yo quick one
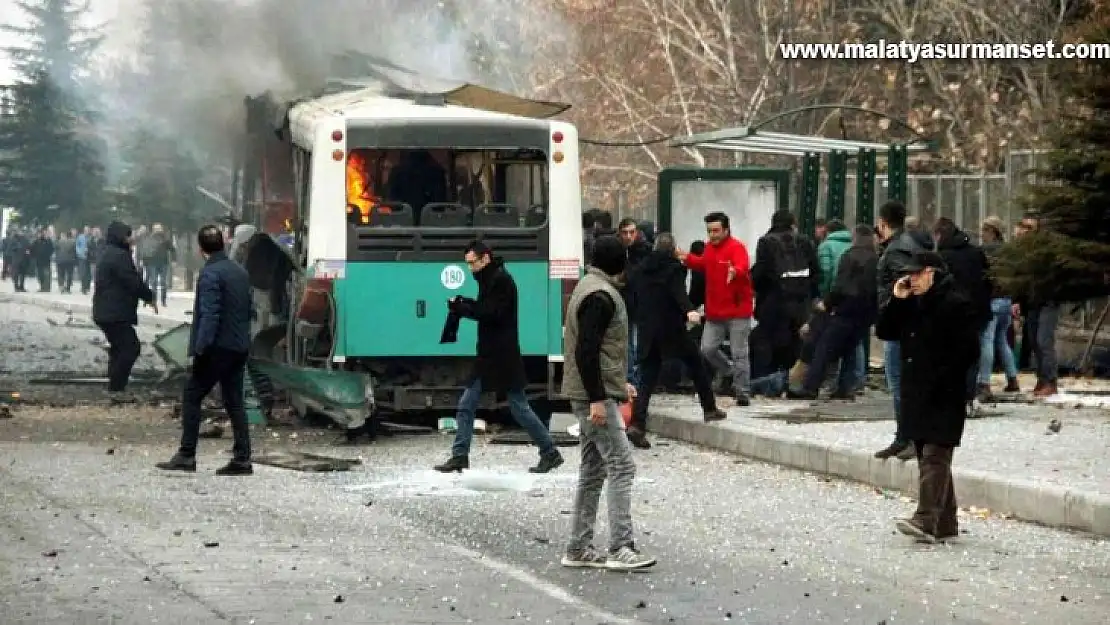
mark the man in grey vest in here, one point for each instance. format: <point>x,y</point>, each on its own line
<point>595,366</point>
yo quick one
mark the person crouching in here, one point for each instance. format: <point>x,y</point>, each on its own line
<point>594,380</point>
<point>937,326</point>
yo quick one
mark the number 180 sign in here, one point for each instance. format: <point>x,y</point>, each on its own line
<point>452,277</point>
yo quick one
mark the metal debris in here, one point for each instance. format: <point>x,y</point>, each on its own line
<point>301,461</point>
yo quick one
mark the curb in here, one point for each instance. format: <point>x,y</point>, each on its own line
<point>1049,505</point>
<point>146,318</point>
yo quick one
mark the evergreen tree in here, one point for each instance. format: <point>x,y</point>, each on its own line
<point>50,142</point>
<point>1068,258</point>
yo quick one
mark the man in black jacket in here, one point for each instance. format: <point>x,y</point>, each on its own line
<point>936,325</point>
<point>664,309</point>
<point>898,246</point>
<point>42,253</point>
<point>499,365</point>
<point>218,344</point>
<point>851,304</point>
<point>968,266</point>
<point>118,290</point>
<point>785,281</point>
<point>637,249</point>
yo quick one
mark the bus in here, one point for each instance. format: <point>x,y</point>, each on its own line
<point>382,193</point>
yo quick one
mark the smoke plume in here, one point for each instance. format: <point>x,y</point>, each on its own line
<point>195,60</point>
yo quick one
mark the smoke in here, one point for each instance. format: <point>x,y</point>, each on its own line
<point>195,60</point>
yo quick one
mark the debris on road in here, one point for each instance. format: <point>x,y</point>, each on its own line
<point>306,462</point>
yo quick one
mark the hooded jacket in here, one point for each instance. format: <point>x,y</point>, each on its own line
<point>118,287</point>
<point>725,300</point>
<point>828,258</point>
<point>968,266</point>
<point>660,287</point>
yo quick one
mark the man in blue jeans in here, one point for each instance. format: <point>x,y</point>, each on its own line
<point>636,250</point>
<point>499,366</point>
<point>898,247</point>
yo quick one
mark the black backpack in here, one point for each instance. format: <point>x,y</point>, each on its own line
<point>792,265</point>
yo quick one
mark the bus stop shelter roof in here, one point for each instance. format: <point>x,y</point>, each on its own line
<point>747,139</point>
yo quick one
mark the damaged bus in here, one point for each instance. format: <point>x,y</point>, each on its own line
<point>382,188</point>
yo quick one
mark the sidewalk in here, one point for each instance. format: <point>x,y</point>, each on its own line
<point>1010,462</point>
<point>178,311</point>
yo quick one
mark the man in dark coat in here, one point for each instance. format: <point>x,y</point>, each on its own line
<point>42,253</point>
<point>118,290</point>
<point>219,342</point>
<point>936,325</point>
<point>659,287</point>
<point>499,366</point>
<point>851,305</point>
<point>785,278</point>
<point>968,265</point>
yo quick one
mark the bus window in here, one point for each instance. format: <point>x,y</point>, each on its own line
<point>467,179</point>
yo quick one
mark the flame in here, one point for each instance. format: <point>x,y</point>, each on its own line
<point>359,192</point>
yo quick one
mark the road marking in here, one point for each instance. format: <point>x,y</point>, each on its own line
<point>547,588</point>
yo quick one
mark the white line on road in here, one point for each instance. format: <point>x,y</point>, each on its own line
<point>547,588</point>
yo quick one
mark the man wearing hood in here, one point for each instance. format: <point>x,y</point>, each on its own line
<point>967,264</point>
<point>936,324</point>
<point>785,281</point>
<point>899,244</point>
<point>499,366</point>
<point>118,290</point>
<point>665,310</point>
<point>595,354</point>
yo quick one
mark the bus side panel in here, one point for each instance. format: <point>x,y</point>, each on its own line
<point>397,309</point>
<point>555,319</point>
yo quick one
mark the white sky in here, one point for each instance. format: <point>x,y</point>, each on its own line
<point>118,16</point>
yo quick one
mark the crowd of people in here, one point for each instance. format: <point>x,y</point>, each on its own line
<point>68,256</point>
<point>644,314</point>
<point>802,315</point>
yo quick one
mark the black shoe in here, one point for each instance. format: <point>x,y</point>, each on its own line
<point>236,467</point>
<point>842,396</point>
<point>456,464</point>
<point>802,395</point>
<point>892,450</point>
<point>716,414</point>
<point>548,462</point>
<point>179,463</point>
<point>638,438</point>
<point>742,399</point>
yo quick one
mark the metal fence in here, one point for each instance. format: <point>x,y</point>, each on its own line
<point>967,199</point>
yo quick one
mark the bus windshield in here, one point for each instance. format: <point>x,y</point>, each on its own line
<point>446,188</point>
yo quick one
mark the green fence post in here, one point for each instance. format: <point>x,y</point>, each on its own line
<point>811,180</point>
<point>838,182</point>
<point>866,164</point>
<point>897,164</point>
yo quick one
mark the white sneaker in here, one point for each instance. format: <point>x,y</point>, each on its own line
<point>588,558</point>
<point>628,559</point>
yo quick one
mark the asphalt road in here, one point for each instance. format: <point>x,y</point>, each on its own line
<point>91,533</point>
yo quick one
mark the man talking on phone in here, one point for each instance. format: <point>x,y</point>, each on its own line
<point>936,324</point>
<point>595,367</point>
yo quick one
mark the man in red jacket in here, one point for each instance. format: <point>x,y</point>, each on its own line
<point>728,303</point>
